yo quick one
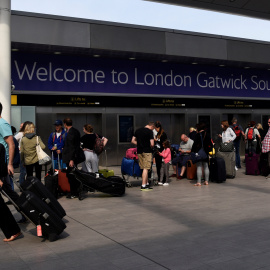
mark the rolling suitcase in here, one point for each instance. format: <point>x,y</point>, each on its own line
<point>191,170</point>
<point>35,186</point>
<point>39,213</point>
<point>63,183</point>
<point>217,170</point>
<point>252,164</point>
<point>229,158</point>
<point>113,185</point>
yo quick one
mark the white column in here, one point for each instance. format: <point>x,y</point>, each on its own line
<point>5,58</point>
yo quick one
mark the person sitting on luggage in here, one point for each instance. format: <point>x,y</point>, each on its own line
<point>88,142</point>
<point>165,165</point>
<point>252,136</point>
<point>184,151</point>
<point>56,143</point>
<point>202,135</point>
<point>228,134</point>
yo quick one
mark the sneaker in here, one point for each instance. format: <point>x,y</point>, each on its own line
<point>165,184</point>
<point>73,197</point>
<point>180,177</point>
<point>173,175</point>
<point>148,186</point>
<point>236,168</point>
<point>160,183</point>
<point>145,188</point>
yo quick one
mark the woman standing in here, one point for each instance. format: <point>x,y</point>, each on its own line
<point>202,138</point>
<point>88,142</point>
<point>28,150</point>
<point>228,135</point>
<point>159,139</point>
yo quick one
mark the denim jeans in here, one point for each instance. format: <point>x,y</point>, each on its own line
<point>22,173</point>
<point>237,154</point>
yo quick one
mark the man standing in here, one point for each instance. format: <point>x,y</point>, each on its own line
<point>239,132</point>
<point>71,148</point>
<point>7,222</point>
<point>144,140</point>
<point>56,143</point>
<point>184,150</point>
<point>266,144</point>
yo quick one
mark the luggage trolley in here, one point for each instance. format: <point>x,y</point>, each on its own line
<point>130,167</point>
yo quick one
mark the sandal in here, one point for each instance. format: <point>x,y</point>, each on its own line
<point>13,237</point>
<point>206,183</point>
<point>197,185</point>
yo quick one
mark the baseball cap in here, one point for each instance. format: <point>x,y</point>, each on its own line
<point>58,123</point>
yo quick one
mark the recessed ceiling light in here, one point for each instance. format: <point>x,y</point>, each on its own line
<point>164,61</point>
<point>194,63</point>
<point>57,52</point>
<point>222,65</point>
<point>14,50</point>
<point>96,55</point>
<point>131,58</point>
<point>246,67</point>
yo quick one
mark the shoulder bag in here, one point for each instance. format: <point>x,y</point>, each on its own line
<point>226,147</point>
<point>43,158</point>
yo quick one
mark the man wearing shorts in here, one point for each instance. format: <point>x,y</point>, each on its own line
<point>184,151</point>
<point>144,140</point>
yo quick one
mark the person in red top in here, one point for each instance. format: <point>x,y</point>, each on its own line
<point>166,158</point>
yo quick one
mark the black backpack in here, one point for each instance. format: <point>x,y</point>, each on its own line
<point>3,161</point>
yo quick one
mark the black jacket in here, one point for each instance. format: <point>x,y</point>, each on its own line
<point>72,145</point>
<point>207,143</point>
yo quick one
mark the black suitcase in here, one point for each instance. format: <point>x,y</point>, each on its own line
<point>113,185</point>
<point>264,168</point>
<point>51,182</point>
<point>34,185</point>
<point>217,170</point>
<point>39,213</point>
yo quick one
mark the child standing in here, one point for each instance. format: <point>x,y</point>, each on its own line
<point>166,158</point>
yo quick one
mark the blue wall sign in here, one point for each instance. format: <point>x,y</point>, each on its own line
<point>62,73</point>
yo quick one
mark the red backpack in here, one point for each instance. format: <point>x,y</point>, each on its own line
<point>237,131</point>
<point>250,134</point>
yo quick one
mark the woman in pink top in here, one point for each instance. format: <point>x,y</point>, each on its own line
<point>166,158</point>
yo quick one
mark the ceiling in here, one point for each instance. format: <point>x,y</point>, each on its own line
<point>251,8</point>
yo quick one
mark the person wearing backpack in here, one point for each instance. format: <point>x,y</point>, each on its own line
<point>239,132</point>
<point>56,143</point>
<point>251,136</point>
<point>92,145</point>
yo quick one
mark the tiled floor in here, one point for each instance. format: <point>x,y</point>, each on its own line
<point>215,227</point>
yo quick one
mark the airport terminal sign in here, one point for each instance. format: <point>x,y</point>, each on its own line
<point>62,73</point>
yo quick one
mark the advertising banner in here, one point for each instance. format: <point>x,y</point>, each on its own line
<point>82,74</point>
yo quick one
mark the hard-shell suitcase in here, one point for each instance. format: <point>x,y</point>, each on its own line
<point>229,158</point>
<point>113,185</point>
<point>252,164</point>
<point>217,170</point>
<point>51,182</point>
<point>34,185</point>
<point>191,170</point>
<point>130,167</point>
<point>39,213</point>
<point>264,168</point>
<point>132,153</point>
<point>63,183</point>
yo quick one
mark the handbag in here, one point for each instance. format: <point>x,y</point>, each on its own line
<point>201,155</point>
<point>43,158</point>
<point>226,147</point>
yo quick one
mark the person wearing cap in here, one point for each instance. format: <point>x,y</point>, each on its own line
<point>56,143</point>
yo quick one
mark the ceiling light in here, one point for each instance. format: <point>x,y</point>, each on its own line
<point>131,58</point>
<point>221,65</point>
<point>246,67</point>
<point>164,61</point>
<point>14,50</point>
<point>96,55</point>
<point>194,63</point>
<point>57,52</point>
